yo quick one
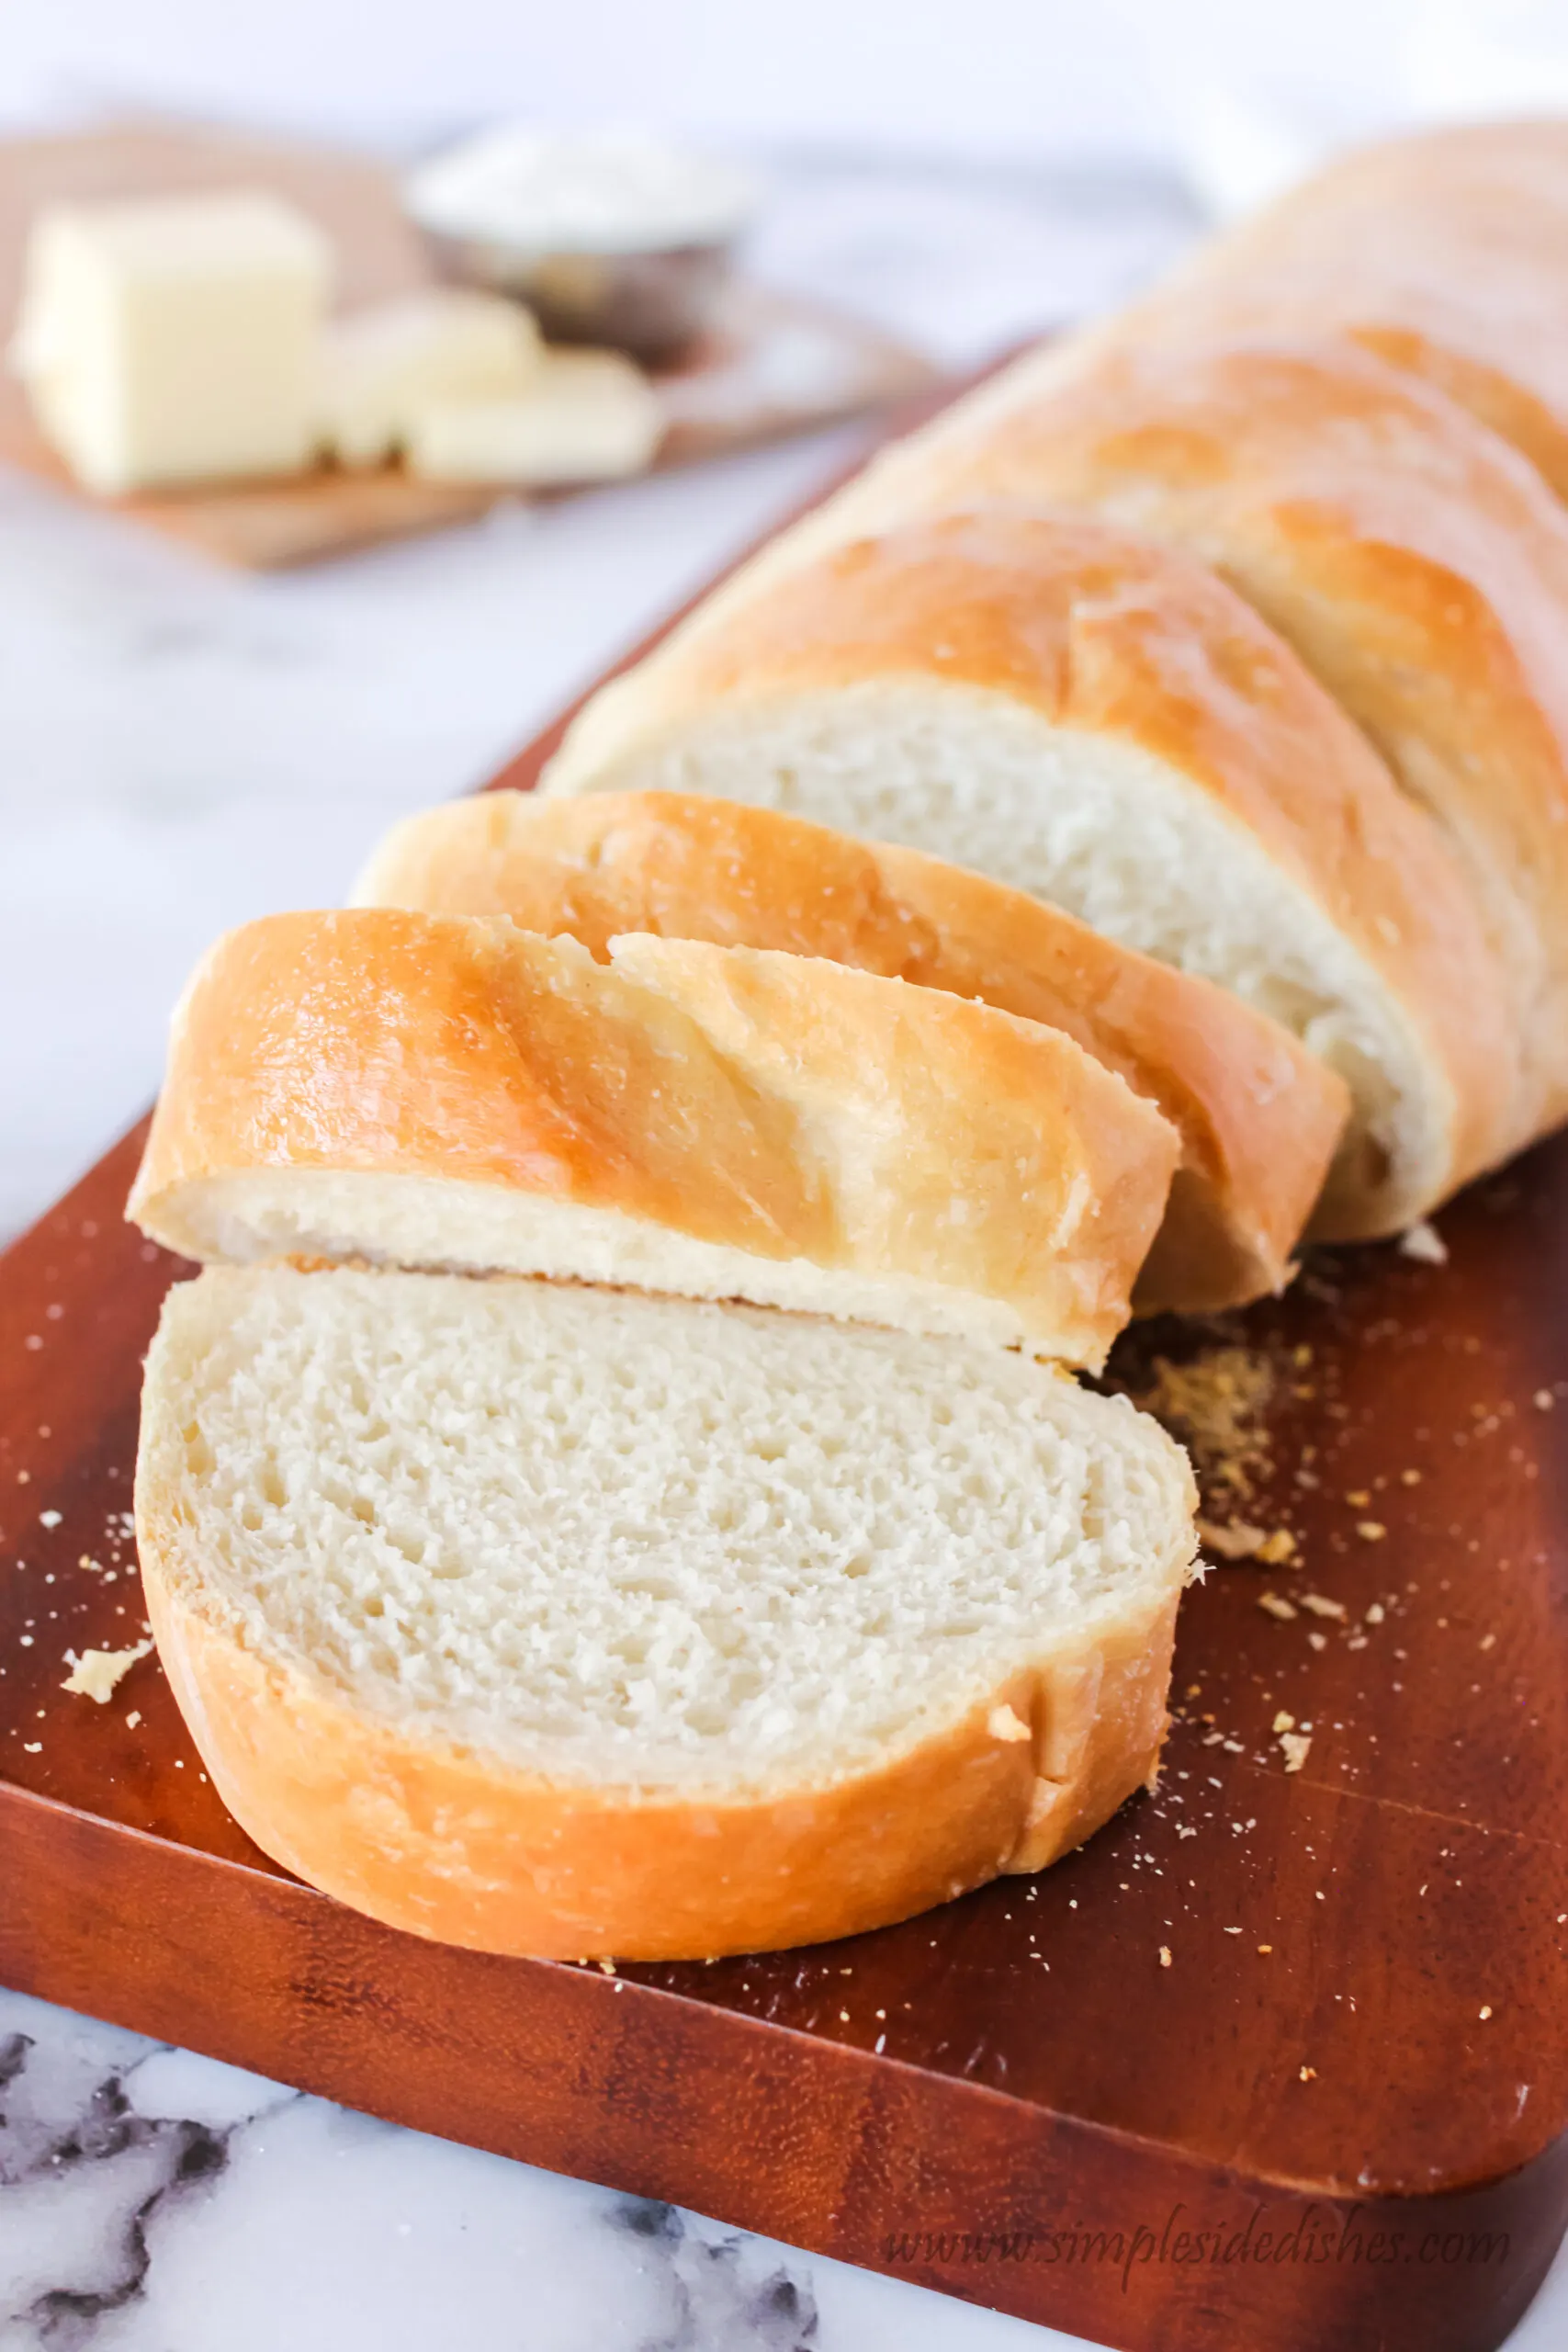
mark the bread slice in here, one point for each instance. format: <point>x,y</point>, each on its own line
<point>418,1090</point>
<point>1258,1115</point>
<point>559,1621</point>
<point>1100,721</point>
<point>1417,563</point>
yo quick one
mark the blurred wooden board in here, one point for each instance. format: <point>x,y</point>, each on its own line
<point>775,364</point>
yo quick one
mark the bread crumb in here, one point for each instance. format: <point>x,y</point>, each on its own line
<point>1425,1243</point>
<point>1277,1605</point>
<point>1283,1722</point>
<point>1375,1612</point>
<point>1297,1746</point>
<point>1307,2074</point>
<point>1489,1642</point>
<point>1164,1955</point>
<point>1357,1497</point>
<point>1485,2011</point>
<point>1317,1641</point>
<point>1216,1404</point>
<point>1002,1723</point>
<point>1543,1400</point>
<point>1265,1948</point>
<point>97,1672</point>
<point>1321,1606</point>
<point>133,1719</point>
<point>49,1518</point>
<point>1371,1531</point>
<point>1237,1541</point>
<point>32,1748</point>
<point>1410,1477</point>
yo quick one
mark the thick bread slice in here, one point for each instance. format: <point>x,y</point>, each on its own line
<point>1259,1117</point>
<point>1102,722</point>
<point>419,1090</point>
<point>556,1620</point>
<point>1417,563</point>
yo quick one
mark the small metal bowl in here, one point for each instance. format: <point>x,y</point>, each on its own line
<point>652,305</point>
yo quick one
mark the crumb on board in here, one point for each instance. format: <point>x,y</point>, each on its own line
<point>1307,2074</point>
<point>1216,1404</point>
<point>1164,1955</point>
<point>1297,1746</point>
<point>1277,1606</point>
<point>1425,1244</point>
<point>1544,1400</point>
<point>1485,2011</point>
<point>1371,1531</point>
<point>98,1673</point>
<point>1320,1604</point>
<point>1374,1613</point>
<point>1237,1541</point>
<point>1284,1721</point>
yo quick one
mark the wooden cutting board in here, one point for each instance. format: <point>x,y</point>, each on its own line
<point>1278,2063</point>
<point>774,364</point>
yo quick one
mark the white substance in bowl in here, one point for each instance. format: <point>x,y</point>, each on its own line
<point>603,192</point>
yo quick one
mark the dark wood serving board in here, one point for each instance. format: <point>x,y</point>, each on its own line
<point>1337,2116</point>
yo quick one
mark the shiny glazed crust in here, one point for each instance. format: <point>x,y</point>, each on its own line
<point>786,1111</point>
<point>1258,1117</point>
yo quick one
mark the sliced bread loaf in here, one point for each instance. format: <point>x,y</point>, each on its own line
<point>419,1090</point>
<point>1259,1117</point>
<point>1102,722</point>
<point>559,1621</point>
<point>1417,563</point>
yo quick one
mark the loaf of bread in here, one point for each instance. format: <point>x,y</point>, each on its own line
<point>616,1507</point>
<point>1105,724</point>
<point>1258,1115</point>
<point>417,1090</point>
<point>1442,252</point>
<point>1417,564</point>
<point>564,1620</point>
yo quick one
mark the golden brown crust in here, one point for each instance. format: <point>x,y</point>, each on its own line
<point>446,1843</point>
<point>1259,1117</point>
<point>1111,634</point>
<point>1419,568</point>
<point>864,1127</point>
<point>1442,252</point>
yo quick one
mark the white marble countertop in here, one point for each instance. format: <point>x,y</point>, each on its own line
<point>179,750</point>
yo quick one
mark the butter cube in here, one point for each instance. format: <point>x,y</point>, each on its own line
<point>383,365</point>
<point>587,416</point>
<point>175,339</point>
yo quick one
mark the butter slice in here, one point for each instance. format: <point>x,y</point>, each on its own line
<point>175,339</point>
<point>386,363</point>
<point>587,416</point>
